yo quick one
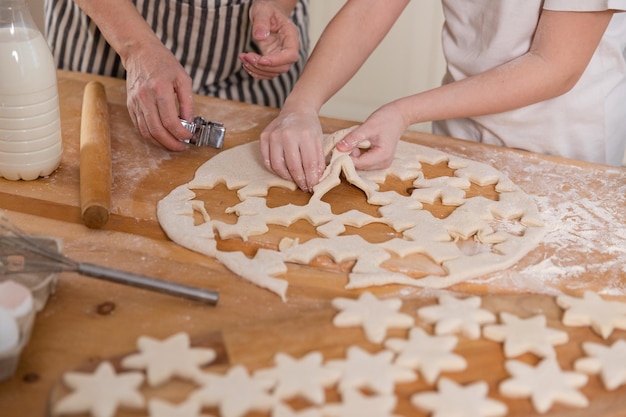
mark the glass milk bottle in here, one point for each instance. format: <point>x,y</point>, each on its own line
<point>30,125</point>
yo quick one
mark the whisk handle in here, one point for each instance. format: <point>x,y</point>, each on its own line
<point>140,281</point>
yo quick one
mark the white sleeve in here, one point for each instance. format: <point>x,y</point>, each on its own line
<point>585,5</point>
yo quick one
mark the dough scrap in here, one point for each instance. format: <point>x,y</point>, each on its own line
<point>374,371</point>
<point>452,399</point>
<point>608,361</point>
<point>602,315</point>
<point>306,377</point>
<point>160,408</point>
<point>454,315</point>
<point>431,355</point>
<point>170,357</point>
<point>241,168</point>
<point>259,270</point>
<point>545,384</point>
<point>101,392</point>
<point>374,315</point>
<point>525,335</point>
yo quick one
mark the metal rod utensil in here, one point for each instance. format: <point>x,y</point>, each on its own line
<point>140,281</point>
<point>20,253</point>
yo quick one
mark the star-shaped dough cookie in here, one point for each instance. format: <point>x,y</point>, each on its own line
<point>374,371</point>
<point>306,377</point>
<point>525,335</point>
<point>353,403</point>
<point>235,393</point>
<point>375,315</point>
<point>160,408</point>
<point>545,384</point>
<point>452,399</point>
<point>602,315</point>
<point>608,361</point>
<point>454,315</point>
<point>168,358</point>
<point>429,354</point>
<point>100,393</point>
<point>449,189</point>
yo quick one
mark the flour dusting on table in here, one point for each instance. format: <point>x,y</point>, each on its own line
<point>585,218</point>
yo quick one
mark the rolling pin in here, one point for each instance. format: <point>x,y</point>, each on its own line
<point>95,157</point>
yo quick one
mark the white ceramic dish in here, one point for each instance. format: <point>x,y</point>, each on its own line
<point>41,286</point>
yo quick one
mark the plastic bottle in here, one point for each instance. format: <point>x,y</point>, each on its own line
<point>30,124</point>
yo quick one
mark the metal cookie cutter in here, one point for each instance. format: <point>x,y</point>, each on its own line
<point>205,133</point>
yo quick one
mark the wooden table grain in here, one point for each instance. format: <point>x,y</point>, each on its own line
<point>87,321</point>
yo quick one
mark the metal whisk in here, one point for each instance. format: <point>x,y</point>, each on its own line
<point>21,253</point>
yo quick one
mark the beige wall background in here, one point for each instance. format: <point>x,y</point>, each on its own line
<point>407,61</point>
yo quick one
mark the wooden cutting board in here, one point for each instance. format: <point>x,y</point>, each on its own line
<point>254,346</point>
<point>88,321</point>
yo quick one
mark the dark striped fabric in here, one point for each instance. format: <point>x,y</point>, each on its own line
<point>206,36</point>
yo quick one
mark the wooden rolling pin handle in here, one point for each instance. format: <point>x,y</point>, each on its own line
<point>95,157</point>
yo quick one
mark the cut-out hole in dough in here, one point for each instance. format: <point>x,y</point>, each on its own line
<point>487,191</point>
<point>301,230</point>
<point>395,184</point>
<point>438,210</point>
<point>346,197</point>
<point>249,248</point>
<point>441,211</point>
<point>276,196</point>
<point>216,201</point>
<point>437,170</point>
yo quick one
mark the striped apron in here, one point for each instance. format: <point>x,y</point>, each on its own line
<point>206,36</point>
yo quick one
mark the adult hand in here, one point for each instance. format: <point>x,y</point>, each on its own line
<point>159,90</point>
<point>382,130</point>
<point>291,146</point>
<point>276,36</point>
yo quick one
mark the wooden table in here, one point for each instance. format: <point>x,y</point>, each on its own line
<point>87,320</point>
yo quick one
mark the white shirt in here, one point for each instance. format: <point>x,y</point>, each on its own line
<point>586,123</point>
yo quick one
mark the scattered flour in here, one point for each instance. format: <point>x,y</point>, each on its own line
<point>584,213</point>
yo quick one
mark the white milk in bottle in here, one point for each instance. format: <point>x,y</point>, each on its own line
<point>30,125</point>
